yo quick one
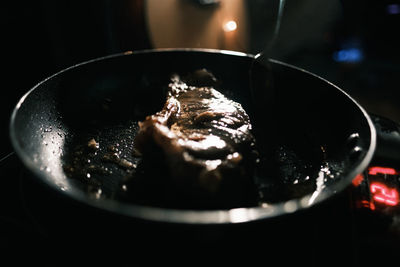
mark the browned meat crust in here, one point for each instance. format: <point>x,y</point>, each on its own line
<point>206,144</point>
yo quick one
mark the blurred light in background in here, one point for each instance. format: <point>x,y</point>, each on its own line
<point>348,55</point>
<point>349,51</point>
<point>393,9</point>
<point>229,26</point>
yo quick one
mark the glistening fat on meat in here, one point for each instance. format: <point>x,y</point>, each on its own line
<point>204,142</point>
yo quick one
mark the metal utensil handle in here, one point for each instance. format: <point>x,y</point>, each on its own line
<point>275,33</point>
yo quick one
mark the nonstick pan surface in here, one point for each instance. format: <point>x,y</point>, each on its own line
<point>321,137</point>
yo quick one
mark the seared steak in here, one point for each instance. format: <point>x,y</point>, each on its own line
<point>204,142</point>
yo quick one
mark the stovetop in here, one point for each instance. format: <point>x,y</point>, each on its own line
<point>356,48</point>
<point>35,219</point>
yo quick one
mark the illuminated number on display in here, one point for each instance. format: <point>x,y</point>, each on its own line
<point>381,193</point>
<point>382,170</point>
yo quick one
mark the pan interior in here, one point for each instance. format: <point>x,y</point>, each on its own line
<point>86,118</point>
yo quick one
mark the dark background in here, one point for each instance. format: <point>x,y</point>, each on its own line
<point>353,44</point>
<point>40,38</point>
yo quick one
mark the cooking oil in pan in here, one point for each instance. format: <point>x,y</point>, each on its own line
<point>288,176</point>
<point>104,162</point>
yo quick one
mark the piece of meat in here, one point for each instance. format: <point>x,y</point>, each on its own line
<point>204,142</point>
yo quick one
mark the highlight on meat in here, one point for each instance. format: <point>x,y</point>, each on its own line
<point>201,144</point>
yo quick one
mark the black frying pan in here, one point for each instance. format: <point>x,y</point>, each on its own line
<point>311,124</point>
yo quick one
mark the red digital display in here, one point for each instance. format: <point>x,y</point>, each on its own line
<point>382,185</point>
<point>383,194</point>
<point>382,170</point>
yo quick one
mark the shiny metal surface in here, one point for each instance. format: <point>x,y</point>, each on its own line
<point>57,102</point>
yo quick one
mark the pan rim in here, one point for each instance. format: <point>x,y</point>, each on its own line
<point>200,217</point>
